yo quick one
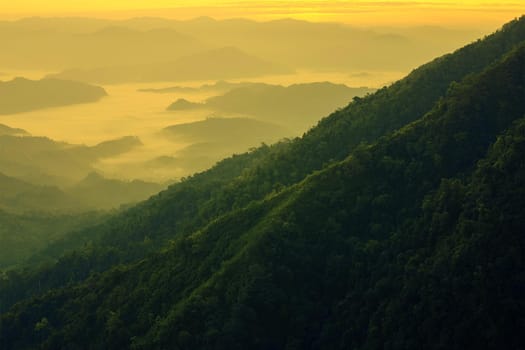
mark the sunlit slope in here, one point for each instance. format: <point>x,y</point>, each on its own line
<point>20,95</point>
<point>425,215</point>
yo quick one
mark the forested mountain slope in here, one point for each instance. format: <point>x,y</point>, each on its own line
<point>399,245</point>
<point>263,257</point>
<point>23,235</point>
<point>236,182</point>
<point>17,196</point>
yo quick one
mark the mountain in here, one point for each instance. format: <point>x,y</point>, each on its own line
<point>41,160</point>
<point>6,130</point>
<point>33,216</point>
<point>297,106</point>
<point>48,176</point>
<point>22,95</point>
<point>184,105</point>
<point>213,139</point>
<point>334,46</point>
<point>106,149</point>
<point>63,43</point>
<point>232,130</point>
<point>396,222</point>
<point>219,86</point>
<point>25,235</point>
<point>99,192</point>
<point>17,196</point>
<point>221,63</point>
<point>92,192</point>
<point>53,44</point>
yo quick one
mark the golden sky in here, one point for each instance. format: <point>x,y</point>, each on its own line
<point>487,13</point>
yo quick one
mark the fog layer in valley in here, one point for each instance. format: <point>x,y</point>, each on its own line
<point>89,104</point>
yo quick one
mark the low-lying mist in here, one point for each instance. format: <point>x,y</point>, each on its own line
<point>87,104</point>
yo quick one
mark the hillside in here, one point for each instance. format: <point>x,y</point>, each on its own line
<point>21,95</point>
<point>26,235</point>
<point>32,217</point>
<point>396,223</point>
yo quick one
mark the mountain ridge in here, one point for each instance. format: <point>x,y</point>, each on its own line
<point>219,63</point>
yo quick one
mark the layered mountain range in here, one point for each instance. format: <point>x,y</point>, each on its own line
<point>395,223</point>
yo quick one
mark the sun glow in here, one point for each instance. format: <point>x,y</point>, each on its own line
<point>487,13</point>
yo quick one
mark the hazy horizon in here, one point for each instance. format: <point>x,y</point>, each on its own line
<point>175,69</point>
<point>126,56</point>
<point>484,14</point>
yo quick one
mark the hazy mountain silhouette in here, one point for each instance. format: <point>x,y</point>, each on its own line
<point>56,44</point>
<point>225,129</point>
<point>21,95</point>
<point>302,44</point>
<point>41,160</point>
<point>66,43</point>
<point>99,192</point>
<point>215,138</point>
<point>296,106</point>
<point>219,86</point>
<point>184,105</point>
<point>6,130</point>
<point>124,46</point>
<point>222,63</point>
<point>17,196</point>
<point>92,192</point>
<point>105,149</point>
